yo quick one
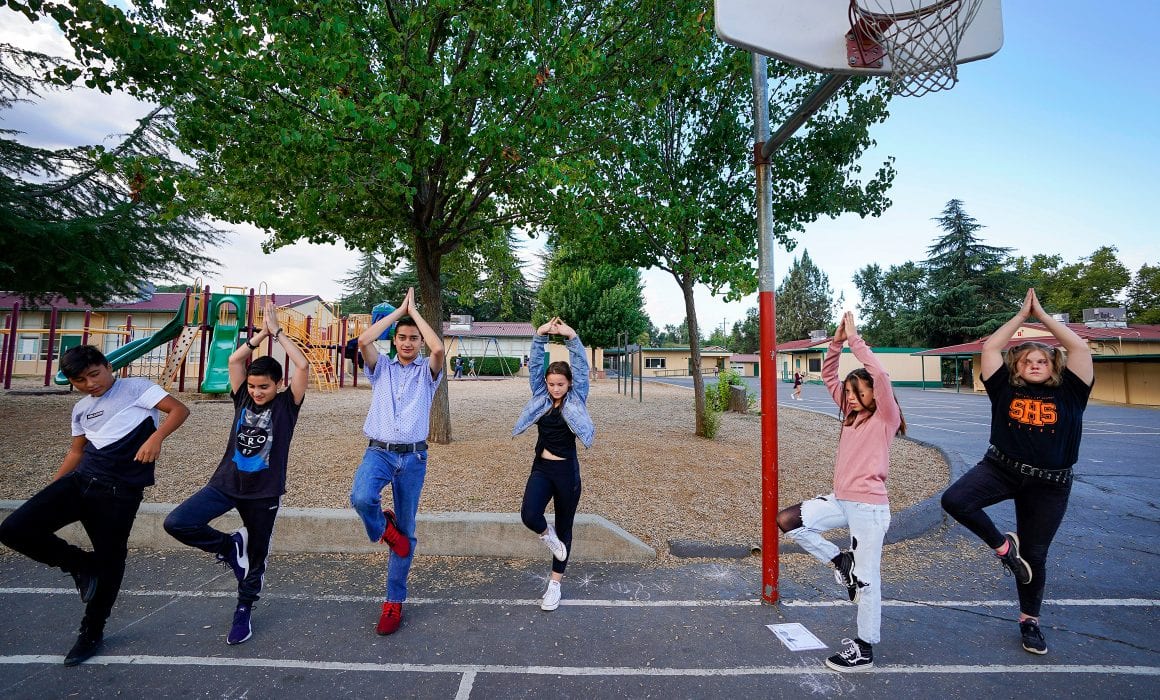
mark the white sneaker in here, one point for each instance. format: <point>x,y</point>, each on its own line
<point>559,550</point>
<point>551,599</point>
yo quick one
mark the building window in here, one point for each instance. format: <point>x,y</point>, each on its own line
<point>654,363</point>
<point>815,365</point>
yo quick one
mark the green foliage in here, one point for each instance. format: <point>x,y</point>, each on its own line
<point>599,300</point>
<point>491,366</point>
<point>365,286</point>
<point>891,303</point>
<point>746,335</point>
<point>805,300</point>
<point>90,223</point>
<point>717,400</point>
<point>1144,295</point>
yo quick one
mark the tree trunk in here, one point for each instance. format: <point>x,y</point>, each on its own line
<point>428,264</point>
<point>686,282</point>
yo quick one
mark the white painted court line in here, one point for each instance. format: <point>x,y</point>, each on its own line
<point>610,603</point>
<point>473,669</point>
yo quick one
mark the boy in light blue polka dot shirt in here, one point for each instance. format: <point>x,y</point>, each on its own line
<point>402,389</point>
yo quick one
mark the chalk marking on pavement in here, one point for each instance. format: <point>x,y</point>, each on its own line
<point>607,603</point>
<point>282,664</point>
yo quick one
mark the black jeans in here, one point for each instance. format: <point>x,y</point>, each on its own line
<point>106,510</point>
<point>189,523</point>
<point>557,481</point>
<point>1039,509</point>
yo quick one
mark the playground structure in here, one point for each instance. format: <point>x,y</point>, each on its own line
<point>214,324</point>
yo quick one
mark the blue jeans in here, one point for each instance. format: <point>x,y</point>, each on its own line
<point>188,523</point>
<point>405,473</point>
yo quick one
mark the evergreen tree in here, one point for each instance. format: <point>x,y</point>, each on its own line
<point>891,301</point>
<point>805,300</point>
<point>90,223</point>
<point>969,288</point>
<point>746,335</point>
<point>365,286</point>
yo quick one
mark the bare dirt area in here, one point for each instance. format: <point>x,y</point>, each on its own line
<point>647,472</point>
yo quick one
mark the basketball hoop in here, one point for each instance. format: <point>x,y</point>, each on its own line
<point>920,37</point>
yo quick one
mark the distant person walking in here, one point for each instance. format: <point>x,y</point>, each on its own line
<point>471,368</point>
<point>871,419</point>
<point>797,386</point>
<point>1037,404</point>
<point>558,408</point>
<point>458,368</point>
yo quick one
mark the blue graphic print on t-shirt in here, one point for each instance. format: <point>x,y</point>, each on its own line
<point>254,438</point>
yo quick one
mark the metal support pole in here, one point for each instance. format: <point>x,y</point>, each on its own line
<point>768,333</point>
<point>51,349</point>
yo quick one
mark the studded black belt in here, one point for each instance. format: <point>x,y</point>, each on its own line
<point>1058,476</point>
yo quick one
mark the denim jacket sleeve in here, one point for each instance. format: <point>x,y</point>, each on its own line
<point>536,365</point>
<point>578,358</point>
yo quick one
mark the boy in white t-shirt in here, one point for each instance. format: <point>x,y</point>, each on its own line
<point>116,439</point>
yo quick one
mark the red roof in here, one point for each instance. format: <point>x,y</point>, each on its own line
<point>490,329</point>
<point>745,357</point>
<point>1131,334</point>
<point>160,301</point>
<point>804,344</point>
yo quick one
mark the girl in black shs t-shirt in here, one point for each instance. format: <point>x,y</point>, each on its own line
<point>1037,404</point>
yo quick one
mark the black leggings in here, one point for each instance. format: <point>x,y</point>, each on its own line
<point>1039,509</point>
<point>557,481</point>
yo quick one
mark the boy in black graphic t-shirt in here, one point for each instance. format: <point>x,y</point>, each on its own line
<point>116,440</point>
<point>251,476</point>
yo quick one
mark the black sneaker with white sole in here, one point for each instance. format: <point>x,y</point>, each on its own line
<point>1033,639</point>
<point>1014,563</point>
<point>857,656</point>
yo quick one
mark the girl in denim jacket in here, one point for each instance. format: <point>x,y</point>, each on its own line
<point>558,408</point>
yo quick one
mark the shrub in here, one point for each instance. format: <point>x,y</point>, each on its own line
<point>491,366</point>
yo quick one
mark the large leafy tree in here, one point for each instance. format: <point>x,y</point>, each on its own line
<point>412,128</point>
<point>1096,281</point>
<point>89,223</point>
<point>805,300</point>
<point>890,303</point>
<point>677,192</point>
<point>1144,295</point>
<point>600,301</point>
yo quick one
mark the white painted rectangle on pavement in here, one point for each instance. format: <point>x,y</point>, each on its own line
<point>796,637</point>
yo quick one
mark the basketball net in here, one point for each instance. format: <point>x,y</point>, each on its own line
<point>920,37</point>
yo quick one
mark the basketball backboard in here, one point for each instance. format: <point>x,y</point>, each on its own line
<point>812,33</point>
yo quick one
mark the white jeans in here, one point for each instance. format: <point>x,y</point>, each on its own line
<point>868,524</point>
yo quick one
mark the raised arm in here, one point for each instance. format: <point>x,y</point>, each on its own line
<point>430,337</point>
<point>994,345</point>
<point>300,379</point>
<point>1079,355</point>
<point>886,405</point>
<point>536,358</point>
<point>830,366</point>
<point>578,357</point>
<point>366,339</point>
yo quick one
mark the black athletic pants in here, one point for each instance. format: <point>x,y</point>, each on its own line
<point>557,481</point>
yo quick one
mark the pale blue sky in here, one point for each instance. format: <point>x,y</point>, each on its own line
<point>1048,143</point>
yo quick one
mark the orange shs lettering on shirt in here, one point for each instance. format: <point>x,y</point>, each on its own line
<point>1033,412</point>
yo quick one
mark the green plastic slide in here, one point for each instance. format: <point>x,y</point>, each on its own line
<point>217,369</point>
<point>130,351</point>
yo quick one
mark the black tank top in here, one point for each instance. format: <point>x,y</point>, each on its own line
<point>555,435</point>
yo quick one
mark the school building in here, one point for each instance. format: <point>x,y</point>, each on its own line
<point>668,361</point>
<point>805,356</point>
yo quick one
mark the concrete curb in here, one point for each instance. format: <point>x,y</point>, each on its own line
<point>308,530</point>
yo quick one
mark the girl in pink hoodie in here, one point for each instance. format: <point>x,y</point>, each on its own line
<point>871,419</point>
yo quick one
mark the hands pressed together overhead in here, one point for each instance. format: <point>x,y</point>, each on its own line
<point>556,327</point>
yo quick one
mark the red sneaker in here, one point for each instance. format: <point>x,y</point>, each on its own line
<point>399,543</point>
<point>391,618</point>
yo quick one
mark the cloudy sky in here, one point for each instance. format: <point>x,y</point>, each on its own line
<point>1050,144</point>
